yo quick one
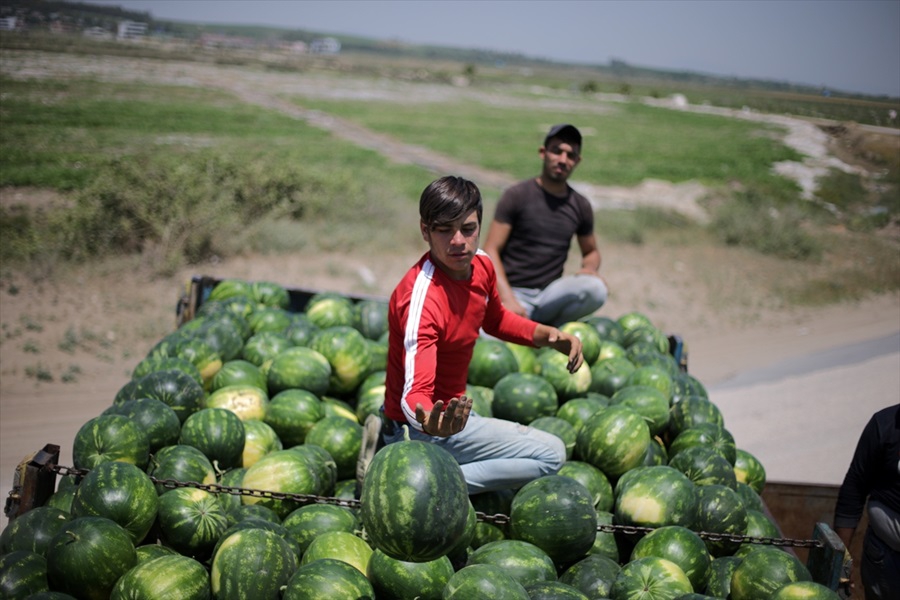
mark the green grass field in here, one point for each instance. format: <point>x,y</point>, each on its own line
<point>181,173</point>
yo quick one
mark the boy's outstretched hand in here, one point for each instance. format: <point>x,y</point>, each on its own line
<point>568,344</point>
<point>444,423</point>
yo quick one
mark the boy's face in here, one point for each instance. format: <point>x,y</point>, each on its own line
<point>453,245</point>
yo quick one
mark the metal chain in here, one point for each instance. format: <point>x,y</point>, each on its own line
<point>495,519</point>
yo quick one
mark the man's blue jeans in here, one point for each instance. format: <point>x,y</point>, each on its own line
<point>495,454</point>
<point>566,299</point>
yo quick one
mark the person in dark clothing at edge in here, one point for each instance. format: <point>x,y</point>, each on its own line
<point>531,233</point>
<point>435,316</point>
<point>872,483</point>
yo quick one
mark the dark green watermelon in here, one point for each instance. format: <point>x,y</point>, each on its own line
<point>556,514</point>
<point>414,503</point>
<point>120,492</point>
<point>491,360</point>
<point>523,397</point>
<point>328,578</point>
<point>252,563</point>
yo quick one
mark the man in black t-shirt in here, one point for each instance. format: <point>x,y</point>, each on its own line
<point>872,483</point>
<point>532,231</point>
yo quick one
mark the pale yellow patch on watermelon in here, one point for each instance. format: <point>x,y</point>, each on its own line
<point>643,509</point>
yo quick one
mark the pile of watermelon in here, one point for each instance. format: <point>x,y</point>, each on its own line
<point>251,395</point>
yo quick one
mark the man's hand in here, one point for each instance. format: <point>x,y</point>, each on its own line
<point>444,423</point>
<point>569,345</point>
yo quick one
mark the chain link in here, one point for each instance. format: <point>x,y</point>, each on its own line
<point>498,519</point>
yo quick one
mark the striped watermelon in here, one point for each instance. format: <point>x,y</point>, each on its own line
<point>371,318</point>
<point>553,590</point>
<point>692,411</point>
<point>607,328</point>
<point>216,432</point>
<point>764,571</point>
<point>656,453</point>
<point>299,368</point>
<point>652,376</point>
<point>280,471</point>
<point>174,387</point>
<point>309,522</point>
<point>609,375</point>
<point>614,440</point>
<point>704,466</point>
<point>593,576</point>
<point>259,440</point>
<point>523,561</point>
<point>328,578</point>
<point>485,582</point>
<point>748,469</point>
<point>553,366</point>
<point>269,293</point>
<point>392,578</point>
<point>87,556</point>
<point>230,288</point>
<point>679,545</point>
<point>589,336</point>
<point>203,356</point>
<point>342,438</point>
<point>491,360</point>
<point>264,346</point>
<point>347,352</point>
<point>269,319</point>
<point>650,578</point>
<point>648,401</point>
<point>805,590</point>
<point>246,401</point>
<point>414,503</point>
<point>252,563</point>
<point>191,521</point>
<point>323,465</point>
<point>292,413</point>
<point>720,510</point>
<point>328,309</point>
<point>301,330</point>
<point>705,434</point>
<point>154,417</point>
<point>220,332</point>
<point>33,530</point>
<point>556,514</point>
<point>721,570</point>
<point>109,438</point>
<point>523,397</point>
<point>151,364</point>
<point>578,410</point>
<point>238,372</point>
<point>181,463</point>
<point>526,357</point>
<point>22,573</point>
<point>172,577</point>
<point>120,492</point>
<point>593,479</point>
<point>655,497</point>
<point>340,545</point>
<point>153,550</point>
<point>685,385</point>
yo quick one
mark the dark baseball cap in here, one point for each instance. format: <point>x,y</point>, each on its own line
<point>565,132</point>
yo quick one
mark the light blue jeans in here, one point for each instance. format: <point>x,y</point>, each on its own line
<point>495,454</point>
<point>566,299</point>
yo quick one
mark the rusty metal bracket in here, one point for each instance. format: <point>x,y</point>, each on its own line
<point>33,483</point>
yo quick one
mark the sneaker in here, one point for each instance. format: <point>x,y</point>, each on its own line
<point>370,442</point>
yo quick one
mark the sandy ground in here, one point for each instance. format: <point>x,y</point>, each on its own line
<point>796,387</point>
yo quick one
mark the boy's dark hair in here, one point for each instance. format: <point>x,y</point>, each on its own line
<point>448,199</point>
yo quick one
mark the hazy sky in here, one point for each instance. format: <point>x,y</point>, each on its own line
<point>850,45</point>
